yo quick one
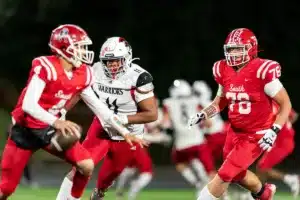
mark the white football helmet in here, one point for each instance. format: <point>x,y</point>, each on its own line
<point>116,48</point>
<point>202,90</point>
<point>180,88</point>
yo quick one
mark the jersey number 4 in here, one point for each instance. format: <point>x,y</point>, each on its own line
<point>113,105</point>
<point>239,101</point>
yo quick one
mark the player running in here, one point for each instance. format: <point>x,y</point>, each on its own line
<point>127,90</point>
<point>190,152</point>
<point>142,163</point>
<point>53,81</point>
<point>247,85</point>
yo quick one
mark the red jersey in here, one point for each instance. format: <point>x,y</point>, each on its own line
<point>249,107</point>
<point>59,88</point>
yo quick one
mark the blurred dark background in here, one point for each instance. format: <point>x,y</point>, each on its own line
<point>174,39</point>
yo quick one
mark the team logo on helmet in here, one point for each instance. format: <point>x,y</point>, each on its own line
<point>62,34</point>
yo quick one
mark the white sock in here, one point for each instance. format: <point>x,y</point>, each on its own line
<point>189,176</point>
<point>200,170</point>
<point>206,195</point>
<point>126,174</point>
<point>138,184</point>
<point>288,179</point>
<point>65,190</point>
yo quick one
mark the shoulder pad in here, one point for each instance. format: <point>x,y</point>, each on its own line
<point>143,79</point>
<point>144,83</point>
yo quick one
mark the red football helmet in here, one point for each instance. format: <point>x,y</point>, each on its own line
<point>240,47</point>
<point>71,42</point>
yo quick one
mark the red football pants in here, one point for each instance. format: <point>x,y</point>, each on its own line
<point>284,146</point>
<point>118,155</point>
<point>14,159</point>
<point>142,161</point>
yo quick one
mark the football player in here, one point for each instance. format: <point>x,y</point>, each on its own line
<point>53,81</point>
<point>142,162</point>
<point>190,151</point>
<point>215,135</point>
<point>127,90</point>
<point>247,85</point>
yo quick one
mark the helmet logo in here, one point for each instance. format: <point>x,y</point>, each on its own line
<point>236,36</point>
<point>109,47</point>
<point>62,34</point>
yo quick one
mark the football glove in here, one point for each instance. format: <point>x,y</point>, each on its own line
<point>267,141</point>
<point>196,119</point>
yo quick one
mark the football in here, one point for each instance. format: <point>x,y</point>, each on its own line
<point>63,142</point>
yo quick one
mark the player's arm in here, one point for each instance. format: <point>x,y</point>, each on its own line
<point>146,101</point>
<point>215,107</point>
<point>275,90</point>
<point>207,123</point>
<point>40,76</point>
<point>69,105</point>
<point>32,96</point>
<point>166,121</point>
<point>102,111</point>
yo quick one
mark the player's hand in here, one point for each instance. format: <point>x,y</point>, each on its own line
<point>267,141</point>
<point>197,118</point>
<point>131,139</point>
<point>67,128</point>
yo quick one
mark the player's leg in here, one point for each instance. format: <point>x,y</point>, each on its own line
<point>80,158</point>
<point>75,181</point>
<point>119,156</point>
<point>258,190</point>
<point>181,160</point>
<point>283,147</point>
<point>203,164</point>
<point>14,159</point>
<point>126,174</point>
<point>240,152</point>
<point>144,165</point>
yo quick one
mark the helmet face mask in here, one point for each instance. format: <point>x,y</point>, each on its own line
<point>114,67</point>
<point>71,43</point>
<point>237,54</point>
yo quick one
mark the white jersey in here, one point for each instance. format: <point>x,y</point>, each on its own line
<point>179,110</point>
<point>218,124</point>
<point>121,95</point>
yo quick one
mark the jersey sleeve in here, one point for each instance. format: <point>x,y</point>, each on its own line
<point>217,72</point>
<point>44,69</point>
<point>268,71</point>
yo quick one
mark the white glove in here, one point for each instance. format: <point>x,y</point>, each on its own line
<point>267,141</point>
<point>196,119</point>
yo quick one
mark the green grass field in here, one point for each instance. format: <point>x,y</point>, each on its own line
<point>176,194</point>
